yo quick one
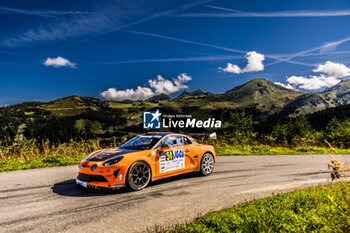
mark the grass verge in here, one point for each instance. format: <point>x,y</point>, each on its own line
<point>30,156</point>
<point>10,164</point>
<point>276,150</point>
<point>317,209</point>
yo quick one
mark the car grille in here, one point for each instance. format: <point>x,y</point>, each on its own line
<point>91,178</point>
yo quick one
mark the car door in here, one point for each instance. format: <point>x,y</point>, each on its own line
<point>192,154</point>
<point>173,156</point>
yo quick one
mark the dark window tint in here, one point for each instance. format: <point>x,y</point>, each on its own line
<point>187,141</point>
<point>173,141</point>
<point>140,143</point>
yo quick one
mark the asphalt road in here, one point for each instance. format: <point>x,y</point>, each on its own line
<point>47,200</point>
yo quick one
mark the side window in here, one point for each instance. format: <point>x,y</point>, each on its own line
<point>167,141</point>
<point>173,141</point>
<point>187,141</point>
<point>179,141</point>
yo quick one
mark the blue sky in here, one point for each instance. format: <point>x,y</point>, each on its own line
<point>137,49</point>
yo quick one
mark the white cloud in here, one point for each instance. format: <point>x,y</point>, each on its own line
<point>312,83</point>
<point>156,86</point>
<point>288,86</point>
<point>140,93</point>
<point>329,68</point>
<point>59,62</point>
<point>330,74</point>
<point>231,68</point>
<point>165,86</point>
<point>184,78</point>
<point>254,64</point>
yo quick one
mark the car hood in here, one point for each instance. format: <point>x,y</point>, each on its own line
<point>107,154</point>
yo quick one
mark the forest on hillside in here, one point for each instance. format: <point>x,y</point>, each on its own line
<point>330,127</point>
<point>36,135</point>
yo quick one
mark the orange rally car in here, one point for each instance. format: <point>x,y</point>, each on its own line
<point>145,158</point>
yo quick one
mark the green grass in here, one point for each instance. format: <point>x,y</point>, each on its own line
<point>317,209</point>
<point>10,164</point>
<point>276,150</point>
<point>29,155</point>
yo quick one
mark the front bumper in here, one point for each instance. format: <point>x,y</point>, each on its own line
<point>112,177</point>
<point>98,185</point>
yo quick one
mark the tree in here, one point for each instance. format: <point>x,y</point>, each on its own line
<point>240,127</point>
<point>295,128</point>
<point>338,132</point>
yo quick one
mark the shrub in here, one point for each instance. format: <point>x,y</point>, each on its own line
<point>293,132</point>
<point>240,128</point>
<point>338,132</point>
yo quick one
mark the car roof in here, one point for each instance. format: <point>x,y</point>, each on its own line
<point>157,133</point>
<point>161,133</point>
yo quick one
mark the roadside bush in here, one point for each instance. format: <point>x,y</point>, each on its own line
<point>240,128</point>
<point>296,131</point>
<point>338,132</point>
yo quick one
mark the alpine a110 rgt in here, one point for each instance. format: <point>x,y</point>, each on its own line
<point>145,158</point>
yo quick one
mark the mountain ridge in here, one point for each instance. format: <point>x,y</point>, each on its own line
<point>264,96</point>
<point>313,102</point>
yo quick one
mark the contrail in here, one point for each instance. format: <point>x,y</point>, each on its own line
<point>226,9</point>
<point>177,59</point>
<point>154,16</point>
<point>278,14</point>
<point>170,12</point>
<point>209,45</point>
<point>41,13</point>
<point>186,41</point>
<point>313,54</point>
<point>305,52</point>
<point>85,25</point>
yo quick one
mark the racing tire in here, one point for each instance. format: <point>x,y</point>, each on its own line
<point>139,176</point>
<point>207,164</point>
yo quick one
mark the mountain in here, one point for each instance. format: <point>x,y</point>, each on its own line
<point>313,102</point>
<point>159,97</point>
<point>73,105</point>
<point>194,94</point>
<point>261,93</point>
<point>85,117</point>
<point>259,97</point>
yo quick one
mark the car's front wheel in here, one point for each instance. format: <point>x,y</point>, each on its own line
<point>207,164</point>
<point>139,176</point>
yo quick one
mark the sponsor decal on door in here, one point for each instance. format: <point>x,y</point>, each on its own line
<point>171,160</point>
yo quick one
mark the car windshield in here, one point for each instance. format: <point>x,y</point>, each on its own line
<point>141,142</point>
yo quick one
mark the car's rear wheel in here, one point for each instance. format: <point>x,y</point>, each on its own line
<point>139,176</point>
<point>207,164</point>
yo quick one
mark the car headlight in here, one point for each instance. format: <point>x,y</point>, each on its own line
<point>94,167</point>
<point>113,161</point>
